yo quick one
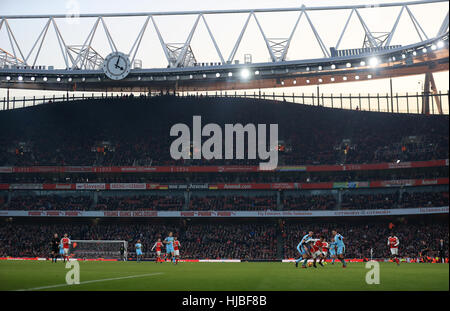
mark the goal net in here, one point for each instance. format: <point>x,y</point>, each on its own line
<point>93,249</point>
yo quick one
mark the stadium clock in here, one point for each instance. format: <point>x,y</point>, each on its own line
<point>116,66</point>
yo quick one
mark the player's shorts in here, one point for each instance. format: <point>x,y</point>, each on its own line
<point>158,253</point>
<point>169,249</point>
<point>332,251</point>
<point>61,251</point>
<point>324,254</point>
<point>138,253</point>
<point>176,252</point>
<point>340,250</point>
<point>394,250</point>
<point>316,254</point>
<point>66,251</point>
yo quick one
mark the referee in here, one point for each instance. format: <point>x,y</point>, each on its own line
<point>122,252</point>
<point>441,248</point>
<point>55,247</point>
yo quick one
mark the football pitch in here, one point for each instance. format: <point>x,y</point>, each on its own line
<point>143,276</point>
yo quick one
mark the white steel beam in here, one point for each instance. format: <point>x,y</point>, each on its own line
<point>112,45</point>
<point>444,26</point>
<point>288,43</point>
<point>416,24</point>
<point>138,40</point>
<point>11,34</point>
<point>344,29</point>
<point>208,12</point>
<point>316,34</point>
<point>161,40</point>
<point>366,30</point>
<point>187,43</point>
<point>62,44</point>
<point>213,40</point>
<point>238,42</point>
<point>391,34</point>
<point>269,48</point>
<point>43,32</point>
<point>86,45</point>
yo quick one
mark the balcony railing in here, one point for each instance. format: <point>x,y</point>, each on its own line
<point>411,103</point>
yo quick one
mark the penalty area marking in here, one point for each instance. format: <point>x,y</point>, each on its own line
<point>91,281</point>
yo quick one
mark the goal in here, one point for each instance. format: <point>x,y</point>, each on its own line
<point>94,249</point>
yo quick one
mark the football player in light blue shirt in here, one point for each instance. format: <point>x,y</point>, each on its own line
<point>61,250</point>
<point>138,247</point>
<point>303,249</point>
<point>169,246</point>
<point>340,246</point>
<point>332,251</point>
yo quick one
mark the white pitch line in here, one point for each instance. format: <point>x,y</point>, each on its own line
<point>92,281</point>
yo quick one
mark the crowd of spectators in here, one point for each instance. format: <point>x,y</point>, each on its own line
<point>312,202</point>
<point>233,203</point>
<point>137,132</point>
<point>210,241</point>
<point>141,203</point>
<point>395,200</point>
<point>224,202</point>
<point>370,201</point>
<point>197,178</point>
<point>247,241</point>
<point>49,202</point>
<point>425,199</point>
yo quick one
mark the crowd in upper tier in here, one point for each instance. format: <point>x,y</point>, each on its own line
<point>233,203</point>
<point>226,202</point>
<point>394,200</point>
<point>141,203</point>
<point>125,132</point>
<point>245,241</point>
<point>311,202</point>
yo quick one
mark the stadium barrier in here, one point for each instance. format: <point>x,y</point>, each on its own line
<point>229,214</point>
<point>404,103</point>
<point>230,186</point>
<point>220,169</point>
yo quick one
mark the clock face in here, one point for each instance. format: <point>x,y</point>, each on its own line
<point>116,66</point>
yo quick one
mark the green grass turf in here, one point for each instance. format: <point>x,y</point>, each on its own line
<point>17,275</point>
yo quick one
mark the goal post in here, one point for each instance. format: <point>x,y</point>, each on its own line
<point>93,249</point>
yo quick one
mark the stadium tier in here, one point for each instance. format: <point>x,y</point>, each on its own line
<point>240,201</point>
<point>244,239</point>
<point>102,170</point>
<point>136,132</point>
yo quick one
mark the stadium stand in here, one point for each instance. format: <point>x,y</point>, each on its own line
<point>330,160</point>
<point>135,131</point>
<point>219,240</point>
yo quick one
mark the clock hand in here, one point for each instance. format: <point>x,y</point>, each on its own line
<point>117,63</point>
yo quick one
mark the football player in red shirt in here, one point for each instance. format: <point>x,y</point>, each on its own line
<point>158,246</point>
<point>393,243</point>
<point>176,248</point>
<point>317,251</point>
<point>65,241</point>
